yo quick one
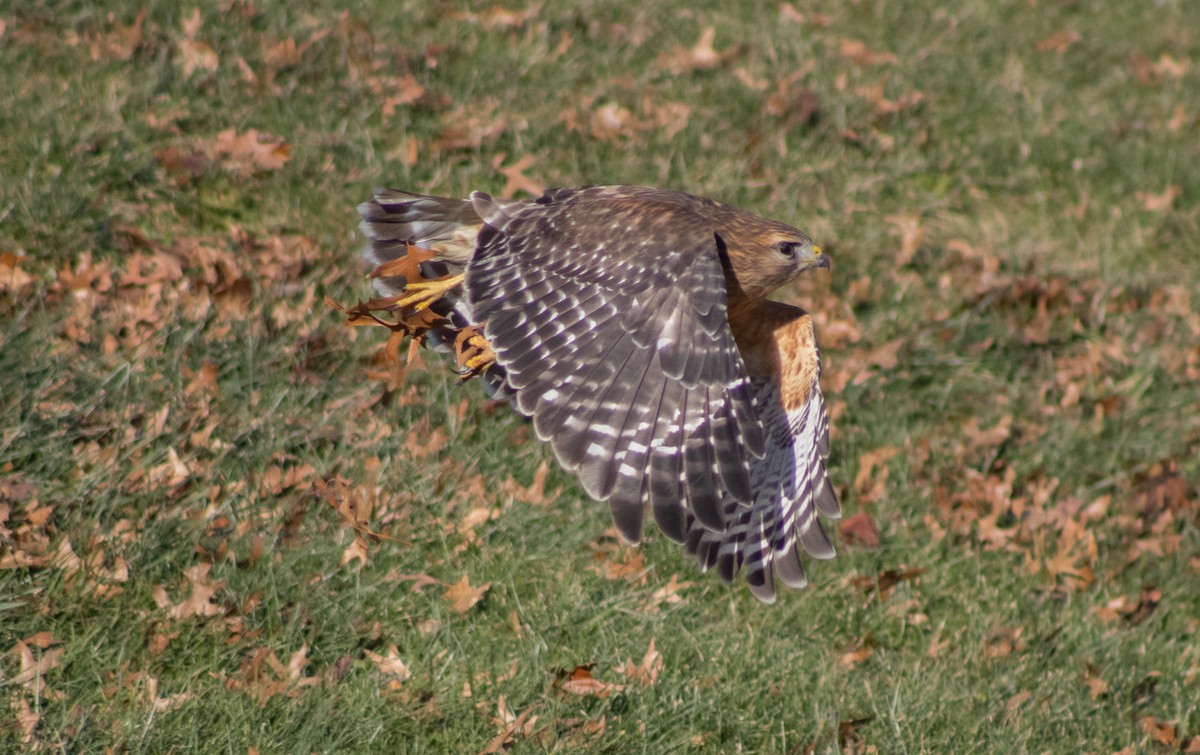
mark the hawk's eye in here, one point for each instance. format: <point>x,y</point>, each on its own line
<point>788,249</point>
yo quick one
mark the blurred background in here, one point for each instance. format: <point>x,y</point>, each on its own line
<point>228,523</point>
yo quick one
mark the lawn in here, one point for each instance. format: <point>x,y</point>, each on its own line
<point>229,524</point>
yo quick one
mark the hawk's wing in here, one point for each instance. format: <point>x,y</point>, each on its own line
<point>612,326</point>
<point>790,481</point>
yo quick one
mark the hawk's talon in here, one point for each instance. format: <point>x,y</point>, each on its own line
<point>480,362</point>
<point>425,293</point>
<point>473,351</point>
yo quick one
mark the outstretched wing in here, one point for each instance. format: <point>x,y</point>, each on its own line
<point>790,481</point>
<point>607,308</point>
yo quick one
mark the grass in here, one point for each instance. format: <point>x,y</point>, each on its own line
<point>1008,191</point>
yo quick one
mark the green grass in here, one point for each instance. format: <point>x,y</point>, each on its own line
<point>1045,291</point>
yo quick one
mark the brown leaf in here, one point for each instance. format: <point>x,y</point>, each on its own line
<point>615,560</point>
<point>535,494</point>
<point>391,664</point>
<point>849,741</point>
<point>511,726</point>
<point>250,152</point>
<point>871,479</point>
<point>1161,732</point>
<point>516,180</point>
<point>120,43</point>
<point>788,12</point>
<point>191,24</point>
<point>701,56</point>
<point>1154,73</point>
<point>499,17</point>
<point>1159,202</point>
<point>857,52</point>
<point>861,529</point>
<point>581,682</point>
<point>197,56</point>
<point>990,438</point>
<point>42,640</point>
<point>857,653</point>
<point>1091,677</point>
<point>611,121</point>
<point>646,672</point>
<point>911,234</point>
<point>669,593</point>
<point>27,719</point>
<point>405,91</point>
<point>12,277</point>
<point>1059,42</point>
<point>671,117</point>
<point>200,602</point>
<point>1002,642</point>
<point>885,581</point>
<point>462,596</point>
<point>33,670</point>
<point>406,266</point>
<point>1017,700</point>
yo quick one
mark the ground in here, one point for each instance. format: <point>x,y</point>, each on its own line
<point>227,524</point>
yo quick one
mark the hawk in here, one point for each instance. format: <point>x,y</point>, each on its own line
<point>632,325</point>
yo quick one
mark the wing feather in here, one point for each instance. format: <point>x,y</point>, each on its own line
<point>622,355</point>
<point>791,489</point>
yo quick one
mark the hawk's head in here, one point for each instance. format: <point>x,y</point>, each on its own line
<point>766,254</point>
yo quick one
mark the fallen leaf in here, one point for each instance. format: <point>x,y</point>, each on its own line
<point>871,479</point>
<point>462,596</point>
<point>1159,731</point>
<point>857,52</point>
<point>390,664</point>
<point>405,91</point>
<point>516,180</point>
<point>1154,73</point>
<point>612,121</point>
<point>1159,202</point>
<point>849,741</point>
<point>27,719</point>
<point>511,726</point>
<point>857,653</point>
<point>33,670</point>
<point>195,55</point>
<point>1059,42</point>
<point>669,593</point>
<point>646,672</point>
<point>1097,687</point>
<point>911,234</point>
<point>499,17</point>
<point>1017,700</point>
<point>12,277</point>
<point>1002,642</point>
<point>249,152</point>
<point>200,602</point>
<point>191,24</point>
<point>614,560</point>
<point>581,682</point>
<point>701,56</point>
<point>861,529</point>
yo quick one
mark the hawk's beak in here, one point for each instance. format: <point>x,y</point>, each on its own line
<point>820,259</point>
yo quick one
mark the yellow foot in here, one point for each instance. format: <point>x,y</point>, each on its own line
<point>474,353</point>
<point>420,294</point>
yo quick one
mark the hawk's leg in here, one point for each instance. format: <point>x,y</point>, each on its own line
<point>420,294</point>
<point>474,352</point>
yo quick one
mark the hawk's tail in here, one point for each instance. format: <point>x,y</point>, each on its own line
<point>394,221</point>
